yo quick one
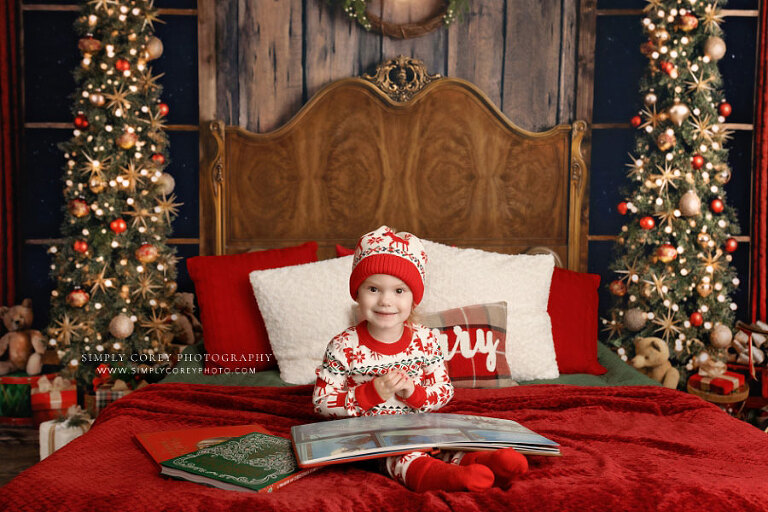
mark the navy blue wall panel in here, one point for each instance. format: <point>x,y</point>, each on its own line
<point>40,183</point>
<point>183,166</point>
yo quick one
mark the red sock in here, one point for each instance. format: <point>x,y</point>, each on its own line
<point>427,473</point>
<point>505,463</point>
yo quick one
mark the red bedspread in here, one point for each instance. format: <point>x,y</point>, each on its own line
<point>624,448</point>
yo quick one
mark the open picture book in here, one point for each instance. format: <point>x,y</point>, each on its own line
<point>351,439</point>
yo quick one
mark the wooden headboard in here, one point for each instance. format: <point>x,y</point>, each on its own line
<point>418,152</point>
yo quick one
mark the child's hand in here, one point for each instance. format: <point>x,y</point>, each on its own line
<point>389,384</point>
<point>407,387</point>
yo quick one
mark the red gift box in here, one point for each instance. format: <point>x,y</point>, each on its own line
<point>49,400</point>
<point>723,384</point>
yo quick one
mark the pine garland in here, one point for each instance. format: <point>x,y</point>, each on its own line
<point>356,9</point>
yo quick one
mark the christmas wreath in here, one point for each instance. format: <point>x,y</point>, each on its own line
<point>357,9</point>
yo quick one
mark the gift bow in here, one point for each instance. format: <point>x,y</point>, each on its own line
<point>59,384</point>
<point>712,368</point>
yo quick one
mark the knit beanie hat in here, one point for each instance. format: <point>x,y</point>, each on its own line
<point>396,254</point>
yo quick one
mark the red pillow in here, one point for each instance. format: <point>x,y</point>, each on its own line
<point>233,331</point>
<point>467,336</point>
<point>573,309</point>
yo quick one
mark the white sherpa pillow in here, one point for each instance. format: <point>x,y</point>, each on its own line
<point>457,277</point>
<point>303,307</point>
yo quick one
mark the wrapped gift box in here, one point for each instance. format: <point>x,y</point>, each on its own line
<point>51,399</point>
<point>723,384</point>
<point>105,395</point>
<point>56,433</point>
<point>15,393</point>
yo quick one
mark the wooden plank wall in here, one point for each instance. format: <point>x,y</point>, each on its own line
<point>270,56</point>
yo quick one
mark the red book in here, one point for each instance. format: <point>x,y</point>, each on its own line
<point>168,444</point>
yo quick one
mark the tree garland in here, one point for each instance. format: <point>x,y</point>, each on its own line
<point>356,9</point>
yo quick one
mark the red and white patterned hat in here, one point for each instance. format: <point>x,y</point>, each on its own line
<point>396,254</point>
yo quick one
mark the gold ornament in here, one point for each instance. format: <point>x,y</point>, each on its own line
<point>687,22</point>
<point>722,174</point>
<point>690,204</point>
<point>650,99</point>
<point>660,36</point>
<point>721,336</point>
<point>666,253</point>
<point>165,184</point>
<point>634,319</point>
<point>679,113</point>
<point>97,99</point>
<point>78,207</point>
<point>154,48</point>
<point>714,47</point>
<point>666,141</point>
<point>96,184</point>
<point>121,326</point>
<point>171,287</point>
<point>704,289</point>
<point>125,292</point>
<point>667,325</point>
<point>127,140</point>
<point>703,240</point>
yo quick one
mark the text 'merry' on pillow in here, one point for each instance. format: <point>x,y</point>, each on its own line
<point>472,339</point>
<point>233,329</point>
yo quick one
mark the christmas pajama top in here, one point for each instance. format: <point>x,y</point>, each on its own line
<point>344,385</point>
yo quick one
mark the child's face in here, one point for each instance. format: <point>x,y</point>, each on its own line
<point>385,302</point>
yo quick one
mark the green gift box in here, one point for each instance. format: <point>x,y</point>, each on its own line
<point>15,397</point>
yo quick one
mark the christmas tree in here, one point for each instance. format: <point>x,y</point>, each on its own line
<point>673,261</point>
<point>114,274</point>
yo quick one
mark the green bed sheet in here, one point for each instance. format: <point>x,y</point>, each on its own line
<point>619,373</point>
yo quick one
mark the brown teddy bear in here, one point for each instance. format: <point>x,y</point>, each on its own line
<point>187,330</point>
<point>652,359</point>
<point>25,346</point>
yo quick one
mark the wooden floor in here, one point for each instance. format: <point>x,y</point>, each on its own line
<point>19,449</point>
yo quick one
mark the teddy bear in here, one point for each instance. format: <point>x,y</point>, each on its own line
<point>187,329</point>
<point>652,359</point>
<point>25,346</point>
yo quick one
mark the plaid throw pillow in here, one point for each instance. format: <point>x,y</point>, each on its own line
<point>473,342</point>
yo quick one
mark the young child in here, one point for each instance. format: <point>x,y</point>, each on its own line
<point>386,364</point>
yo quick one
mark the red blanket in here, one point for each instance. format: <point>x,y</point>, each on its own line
<point>624,448</point>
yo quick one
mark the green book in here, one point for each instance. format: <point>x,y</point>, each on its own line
<point>255,462</point>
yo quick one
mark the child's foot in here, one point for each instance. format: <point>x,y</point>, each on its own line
<point>427,474</point>
<point>506,464</point>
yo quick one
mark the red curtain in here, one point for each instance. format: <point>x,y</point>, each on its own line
<point>759,284</point>
<point>10,127</point>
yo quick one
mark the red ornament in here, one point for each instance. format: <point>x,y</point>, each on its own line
<point>158,158</point>
<point>147,253</point>
<point>622,207</point>
<point>717,205</point>
<point>78,207</point>
<point>118,226</point>
<point>666,66</point>
<point>696,319</point>
<point>725,109</point>
<point>697,162</point>
<point>635,121</point>
<point>617,288</point>
<point>163,109</point>
<point>647,223</point>
<point>731,245</point>
<point>78,298</point>
<point>666,253</point>
<point>122,65</point>
<point>81,122</point>
<point>80,246</point>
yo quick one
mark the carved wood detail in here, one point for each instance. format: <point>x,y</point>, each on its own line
<point>447,165</point>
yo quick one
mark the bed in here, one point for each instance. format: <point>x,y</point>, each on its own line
<point>432,156</point>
